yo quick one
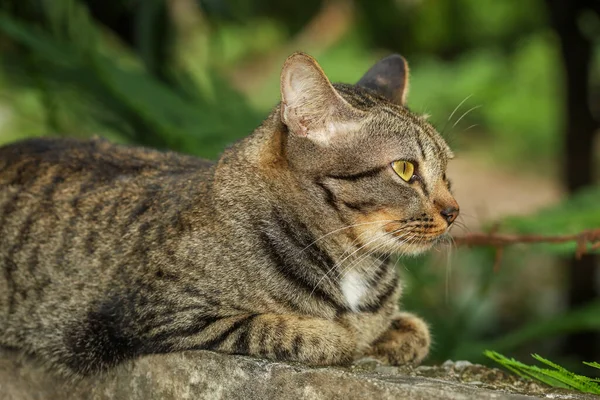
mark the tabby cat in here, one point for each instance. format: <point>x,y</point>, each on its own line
<point>278,250</point>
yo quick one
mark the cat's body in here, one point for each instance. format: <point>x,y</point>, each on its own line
<point>110,252</point>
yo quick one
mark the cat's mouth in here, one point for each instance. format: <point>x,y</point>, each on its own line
<point>392,235</point>
<point>417,243</point>
<point>430,237</point>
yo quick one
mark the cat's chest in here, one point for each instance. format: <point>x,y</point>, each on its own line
<point>354,286</point>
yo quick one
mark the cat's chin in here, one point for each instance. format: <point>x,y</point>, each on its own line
<point>418,247</point>
<point>415,249</point>
<point>408,248</point>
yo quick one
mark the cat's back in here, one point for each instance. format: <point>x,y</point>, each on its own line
<point>69,188</point>
<point>77,189</point>
<point>24,162</point>
<point>67,174</point>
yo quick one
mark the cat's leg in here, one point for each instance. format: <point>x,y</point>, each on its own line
<point>405,342</point>
<point>304,339</point>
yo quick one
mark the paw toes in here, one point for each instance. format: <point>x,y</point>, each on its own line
<point>406,342</point>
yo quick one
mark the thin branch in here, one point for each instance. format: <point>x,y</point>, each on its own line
<point>583,239</point>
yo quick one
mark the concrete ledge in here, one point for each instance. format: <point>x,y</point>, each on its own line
<point>207,375</point>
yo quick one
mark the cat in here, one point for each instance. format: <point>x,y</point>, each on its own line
<point>279,250</point>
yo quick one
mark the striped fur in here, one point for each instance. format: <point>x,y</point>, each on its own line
<point>111,252</point>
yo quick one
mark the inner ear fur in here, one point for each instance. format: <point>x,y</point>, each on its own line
<point>310,105</point>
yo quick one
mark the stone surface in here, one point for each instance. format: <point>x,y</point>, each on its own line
<point>207,375</point>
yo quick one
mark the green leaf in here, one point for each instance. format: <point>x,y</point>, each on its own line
<point>592,364</point>
<point>557,376</point>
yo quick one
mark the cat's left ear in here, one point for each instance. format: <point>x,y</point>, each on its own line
<point>310,105</point>
<point>389,78</point>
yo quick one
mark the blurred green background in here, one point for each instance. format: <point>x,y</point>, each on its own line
<point>513,85</point>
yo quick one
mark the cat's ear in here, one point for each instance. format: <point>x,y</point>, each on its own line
<point>310,105</point>
<point>389,78</point>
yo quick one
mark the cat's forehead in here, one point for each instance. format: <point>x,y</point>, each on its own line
<point>393,131</point>
<point>392,139</point>
<point>410,132</point>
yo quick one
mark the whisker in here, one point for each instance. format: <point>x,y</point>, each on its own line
<point>341,261</point>
<point>350,267</point>
<point>364,257</point>
<point>470,127</point>
<point>396,262</point>
<point>452,245</point>
<point>346,252</point>
<point>458,106</point>
<point>355,263</point>
<point>326,275</point>
<point>345,227</point>
<point>347,269</point>
<point>454,111</point>
<point>354,242</point>
<point>467,215</point>
<point>462,116</point>
<point>368,253</point>
<point>461,225</point>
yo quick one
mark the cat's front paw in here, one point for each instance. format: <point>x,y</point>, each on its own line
<point>405,342</point>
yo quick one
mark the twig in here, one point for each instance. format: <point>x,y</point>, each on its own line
<point>499,241</point>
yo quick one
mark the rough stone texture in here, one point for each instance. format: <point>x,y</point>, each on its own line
<point>207,375</point>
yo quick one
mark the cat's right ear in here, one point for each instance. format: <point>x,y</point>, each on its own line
<point>310,105</point>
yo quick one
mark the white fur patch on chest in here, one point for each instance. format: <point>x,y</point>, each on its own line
<point>353,288</point>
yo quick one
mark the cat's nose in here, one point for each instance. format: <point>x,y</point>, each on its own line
<point>449,214</point>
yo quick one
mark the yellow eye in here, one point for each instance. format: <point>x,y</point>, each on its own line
<point>404,169</point>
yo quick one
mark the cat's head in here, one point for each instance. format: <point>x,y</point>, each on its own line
<point>358,148</point>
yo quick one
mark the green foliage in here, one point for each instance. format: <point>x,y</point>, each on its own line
<point>556,375</point>
<point>229,46</point>
<point>448,27</point>
<point>86,79</point>
<point>294,14</point>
